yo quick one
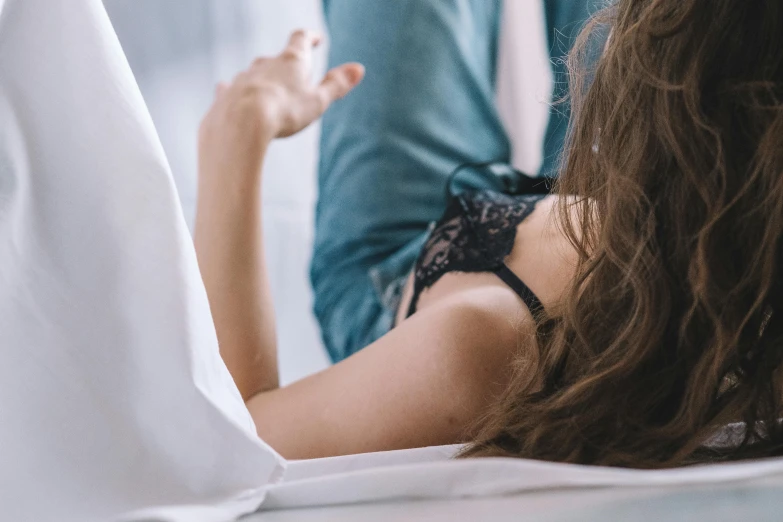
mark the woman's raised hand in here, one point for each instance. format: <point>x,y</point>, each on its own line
<point>274,98</point>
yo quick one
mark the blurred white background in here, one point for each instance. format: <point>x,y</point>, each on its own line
<point>180,49</point>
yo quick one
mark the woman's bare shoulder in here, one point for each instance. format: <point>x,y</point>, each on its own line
<point>429,380</point>
<point>425,383</point>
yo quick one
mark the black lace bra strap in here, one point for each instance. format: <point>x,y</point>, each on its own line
<point>522,290</point>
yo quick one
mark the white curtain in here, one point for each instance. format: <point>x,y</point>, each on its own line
<point>179,50</point>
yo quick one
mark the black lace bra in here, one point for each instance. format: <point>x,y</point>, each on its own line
<point>477,234</point>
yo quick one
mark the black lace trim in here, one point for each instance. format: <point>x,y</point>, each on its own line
<point>476,234</point>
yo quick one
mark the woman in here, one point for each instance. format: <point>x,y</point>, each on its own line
<point>634,314</point>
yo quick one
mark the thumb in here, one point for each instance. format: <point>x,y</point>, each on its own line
<point>338,82</point>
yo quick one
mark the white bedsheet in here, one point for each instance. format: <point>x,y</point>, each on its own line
<point>431,474</point>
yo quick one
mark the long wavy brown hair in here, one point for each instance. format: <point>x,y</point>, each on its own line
<point>672,327</point>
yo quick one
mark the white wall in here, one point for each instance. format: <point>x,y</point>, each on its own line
<point>179,50</point>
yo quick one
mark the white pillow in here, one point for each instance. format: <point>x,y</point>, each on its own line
<point>113,396</point>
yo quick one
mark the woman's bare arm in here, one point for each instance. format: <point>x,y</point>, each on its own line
<point>423,384</point>
<point>229,245</point>
<point>274,98</point>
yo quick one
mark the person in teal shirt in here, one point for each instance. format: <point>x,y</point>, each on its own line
<point>426,106</point>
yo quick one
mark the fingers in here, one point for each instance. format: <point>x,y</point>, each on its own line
<point>302,42</point>
<point>300,47</point>
<point>338,82</point>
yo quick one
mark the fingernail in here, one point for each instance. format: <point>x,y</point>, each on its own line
<point>357,73</point>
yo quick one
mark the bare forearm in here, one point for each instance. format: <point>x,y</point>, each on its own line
<point>274,98</point>
<point>229,245</point>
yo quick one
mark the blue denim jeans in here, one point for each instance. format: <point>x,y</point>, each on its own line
<point>426,106</point>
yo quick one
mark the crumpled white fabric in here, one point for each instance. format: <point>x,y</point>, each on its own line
<point>431,473</point>
<point>113,396</point>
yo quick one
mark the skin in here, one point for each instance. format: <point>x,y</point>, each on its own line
<point>425,383</point>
